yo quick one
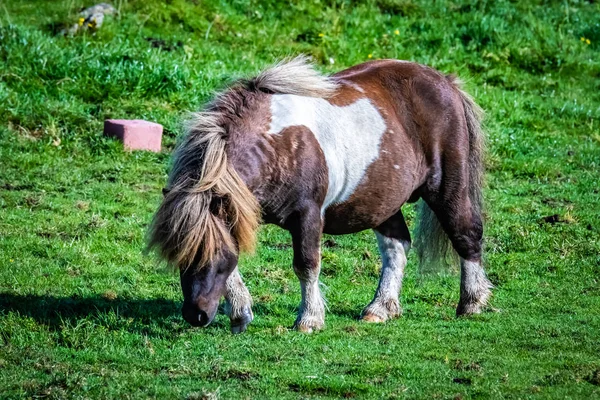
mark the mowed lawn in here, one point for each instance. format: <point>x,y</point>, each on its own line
<point>85,314</point>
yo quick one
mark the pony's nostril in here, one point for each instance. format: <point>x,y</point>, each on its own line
<point>190,315</point>
<point>194,316</point>
<point>203,319</point>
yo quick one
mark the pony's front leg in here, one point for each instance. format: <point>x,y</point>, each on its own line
<point>238,303</point>
<point>306,229</point>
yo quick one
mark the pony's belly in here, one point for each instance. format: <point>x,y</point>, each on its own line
<point>356,216</point>
<point>386,187</point>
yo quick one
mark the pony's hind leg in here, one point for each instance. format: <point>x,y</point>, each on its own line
<point>393,239</point>
<point>463,225</point>
<point>238,303</point>
<point>475,288</point>
<point>465,230</point>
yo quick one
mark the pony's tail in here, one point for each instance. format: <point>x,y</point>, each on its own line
<point>474,116</point>
<point>433,246</point>
<point>200,217</point>
<point>431,243</point>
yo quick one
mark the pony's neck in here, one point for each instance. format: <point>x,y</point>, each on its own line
<point>251,151</point>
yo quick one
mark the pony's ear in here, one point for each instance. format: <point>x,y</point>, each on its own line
<point>165,191</point>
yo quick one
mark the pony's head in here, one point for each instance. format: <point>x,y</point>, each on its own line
<point>203,288</point>
<point>207,216</point>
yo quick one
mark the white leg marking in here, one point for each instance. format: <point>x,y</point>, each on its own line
<point>238,303</point>
<point>311,315</point>
<point>475,288</point>
<point>385,305</point>
<point>349,136</point>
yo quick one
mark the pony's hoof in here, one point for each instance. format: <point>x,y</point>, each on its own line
<point>470,305</point>
<point>372,318</point>
<point>464,310</point>
<point>240,324</point>
<point>381,311</point>
<point>308,326</point>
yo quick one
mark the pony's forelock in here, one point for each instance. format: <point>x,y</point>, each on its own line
<point>208,208</point>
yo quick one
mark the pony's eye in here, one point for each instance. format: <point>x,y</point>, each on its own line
<point>165,191</point>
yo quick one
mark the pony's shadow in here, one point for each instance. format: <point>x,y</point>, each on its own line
<point>351,313</point>
<point>151,317</point>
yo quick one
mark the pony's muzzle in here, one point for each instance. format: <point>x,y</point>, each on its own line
<point>196,317</point>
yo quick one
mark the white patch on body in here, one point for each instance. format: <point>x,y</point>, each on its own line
<point>349,136</point>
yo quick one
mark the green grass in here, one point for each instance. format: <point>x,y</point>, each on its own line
<point>84,314</point>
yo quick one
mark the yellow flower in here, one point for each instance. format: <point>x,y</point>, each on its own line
<point>321,34</point>
<point>370,56</point>
<point>582,39</point>
<point>396,32</point>
<point>81,21</point>
<point>587,41</point>
<point>11,260</point>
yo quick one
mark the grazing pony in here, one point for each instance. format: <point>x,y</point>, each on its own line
<point>320,154</point>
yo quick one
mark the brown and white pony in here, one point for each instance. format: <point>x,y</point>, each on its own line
<point>317,154</point>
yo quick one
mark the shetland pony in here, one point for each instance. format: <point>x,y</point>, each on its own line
<point>320,154</point>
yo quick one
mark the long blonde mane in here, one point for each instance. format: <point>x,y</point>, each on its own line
<point>208,207</point>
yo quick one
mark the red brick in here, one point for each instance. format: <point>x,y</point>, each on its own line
<point>135,134</point>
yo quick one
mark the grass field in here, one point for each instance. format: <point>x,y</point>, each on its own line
<point>84,314</point>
